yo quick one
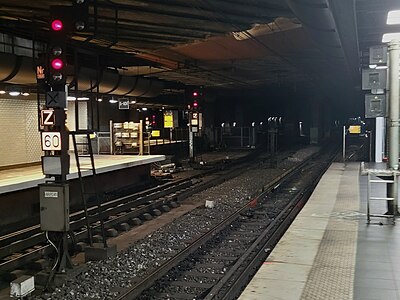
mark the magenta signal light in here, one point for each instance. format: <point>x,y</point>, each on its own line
<point>57,25</point>
<point>57,64</point>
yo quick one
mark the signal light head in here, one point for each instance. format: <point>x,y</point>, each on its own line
<point>57,77</point>
<point>57,25</point>
<point>57,64</point>
<point>57,51</point>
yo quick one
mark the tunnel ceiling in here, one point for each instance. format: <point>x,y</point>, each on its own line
<point>193,41</point>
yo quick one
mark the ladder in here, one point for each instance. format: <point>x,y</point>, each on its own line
<point>86,152</point>
<point>372,180</point>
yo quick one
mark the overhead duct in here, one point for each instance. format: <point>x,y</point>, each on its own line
<point>316,16</point>
<point>112,83</point>
<point>20,70</point>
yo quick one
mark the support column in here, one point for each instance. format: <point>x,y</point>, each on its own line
<point>394,114</point>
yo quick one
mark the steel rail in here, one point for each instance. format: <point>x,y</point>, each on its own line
<point>257,251</point>
<point>134,205</point>
<point>156,274</point>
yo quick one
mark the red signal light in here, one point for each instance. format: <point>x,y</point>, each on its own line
<point>195,104</point>
<point>57,25</point>
<point>195,94</point>
<point>57,64</point>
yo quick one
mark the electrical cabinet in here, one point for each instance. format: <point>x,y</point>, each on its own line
<point>54,207</point>
<point>375,106</point>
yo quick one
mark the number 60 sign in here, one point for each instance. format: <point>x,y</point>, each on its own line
<point>51,141</point>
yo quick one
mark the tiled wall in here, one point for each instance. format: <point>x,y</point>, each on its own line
<point>19,136</point>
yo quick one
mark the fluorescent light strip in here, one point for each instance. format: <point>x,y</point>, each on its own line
<point>393,17</point>
<point>14,93</point>
<point>388,37</point>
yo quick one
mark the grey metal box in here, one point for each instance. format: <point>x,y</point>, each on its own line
<point>54,207</point>
<point>378,55</point>
<point>374,79</point>
<point>22,286</point>
<point>375,106</point>
<point>51,165</point>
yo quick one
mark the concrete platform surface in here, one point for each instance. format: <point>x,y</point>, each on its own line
<point>27,177</point>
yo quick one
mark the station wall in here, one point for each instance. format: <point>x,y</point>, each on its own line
<point>19,136</point>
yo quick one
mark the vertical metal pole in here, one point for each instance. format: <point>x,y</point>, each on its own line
<point>344,144</point>
<point>191,145</point>
<point>394,106</point>
<point>141,140</point>
<point>111,138</point>
<point>241,137</point>
<point>394,114</point>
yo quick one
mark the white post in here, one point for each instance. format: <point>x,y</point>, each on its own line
<point>394,106</point>
<point>379,139</point>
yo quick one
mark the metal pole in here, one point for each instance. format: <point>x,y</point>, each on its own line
<point>344,144</point>
<point>191,145</point>
<point>394,114</point>
<point>394,108</point>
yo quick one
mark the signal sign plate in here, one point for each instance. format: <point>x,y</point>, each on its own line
<point>56,99</point>
<point>47,117</point>
<point>51,141</point>
<point>40,73</point>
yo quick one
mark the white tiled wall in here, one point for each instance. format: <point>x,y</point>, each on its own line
<point>19,136</point>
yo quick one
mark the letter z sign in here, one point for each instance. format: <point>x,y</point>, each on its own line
<point>47,117</point>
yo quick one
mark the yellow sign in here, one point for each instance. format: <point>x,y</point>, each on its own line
<point>355,129</point>
<point>168,119</point>
<point>155,133</point>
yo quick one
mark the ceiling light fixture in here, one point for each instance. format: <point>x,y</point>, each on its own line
<point>25,94</point>
<point>112,100</point>
<point>2,92</point>
<point>14,93</point>
<point>70,98</point>
<point>83,98</point>
<point>381,67</point>
<point>144,108</point>
<point>393,17</point>
<point>99,99</point>
<point>387,37</point>
<point>373,66</point>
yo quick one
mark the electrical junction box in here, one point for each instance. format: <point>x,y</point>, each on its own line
<point>54,207</point>
<point>374,79</point>
<point>375,106</point>
<point>22,286</point>
<point>378,55</point>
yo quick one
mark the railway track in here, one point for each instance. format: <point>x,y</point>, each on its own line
<point>24,246</point>
<point>210,267</point>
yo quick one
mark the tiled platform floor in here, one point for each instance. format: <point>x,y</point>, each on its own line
<point>330,252</point>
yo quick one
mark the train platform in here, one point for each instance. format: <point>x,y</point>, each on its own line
<point>27,177</point>
<point>329,251</point>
